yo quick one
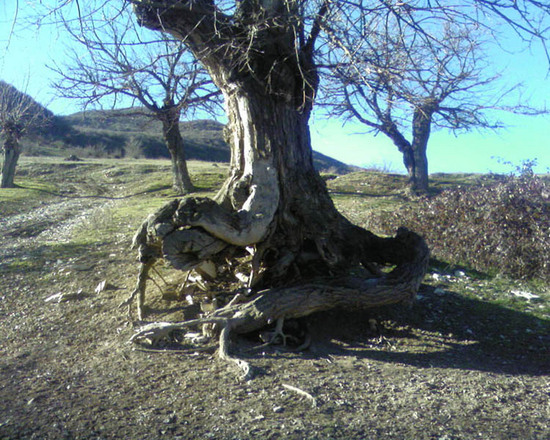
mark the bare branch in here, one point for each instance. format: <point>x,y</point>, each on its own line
<point>119,62</point>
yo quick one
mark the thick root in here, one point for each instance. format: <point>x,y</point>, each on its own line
<point>223,353</point>
<point>139,291</point>
<point>351,292</point>
<point>156,333</point>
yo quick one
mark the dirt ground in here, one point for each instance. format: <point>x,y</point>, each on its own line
<point>449,367</point>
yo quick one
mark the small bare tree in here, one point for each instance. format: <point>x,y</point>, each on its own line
<point>124,62</point>
<point>404,86</point>
<point>19,115</point>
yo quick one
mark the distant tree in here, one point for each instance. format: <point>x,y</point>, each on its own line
<point>403,86</point>
<point>122,61</point>
<point>19,115</point>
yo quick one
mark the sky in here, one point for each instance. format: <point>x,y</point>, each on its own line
<point>26,50</point>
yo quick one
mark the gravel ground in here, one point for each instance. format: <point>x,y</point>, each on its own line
<point>448,368</point>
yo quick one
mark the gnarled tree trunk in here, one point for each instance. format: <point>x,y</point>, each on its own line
<point>307,257</point>
<point>12,151</point>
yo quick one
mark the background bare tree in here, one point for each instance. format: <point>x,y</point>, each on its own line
<point>114,62</point>
<point>19,115</point>
<point>403,86</point>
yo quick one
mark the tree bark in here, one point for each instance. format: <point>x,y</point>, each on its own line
<point>174,142</point>
<point>422,119</point>
<point>12,151</point>
<point>404,146</point>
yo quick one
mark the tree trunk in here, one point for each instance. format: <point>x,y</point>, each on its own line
<point>409,162</point>
<point>275,204</point>
<point>273,161</point>
<point>174,142</point>
<point>12,150</point>
<point>419,179</point>
<point>422,120</point>
<point>403,145</point>
<point>414,154</point>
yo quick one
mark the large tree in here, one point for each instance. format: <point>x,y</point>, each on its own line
<point>112,61</point>
<point>19,115</point>
<point>306,256</point>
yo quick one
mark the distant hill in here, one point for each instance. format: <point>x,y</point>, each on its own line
<point>117,128</point>
<point>115,132</point>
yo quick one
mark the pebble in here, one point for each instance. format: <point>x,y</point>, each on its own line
<point>170,419</point>
<point>83,266</point>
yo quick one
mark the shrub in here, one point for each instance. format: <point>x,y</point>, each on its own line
<point>501,225</point>
<point>133,147</point>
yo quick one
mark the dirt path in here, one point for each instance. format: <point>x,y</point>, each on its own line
<point>449,368</point>
<point>49,223</point>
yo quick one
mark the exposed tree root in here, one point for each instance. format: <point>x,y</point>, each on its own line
<point>139,290</point>
<point>158,332</point>
<point>267,306</point>
<point>290,243</point>
<point>278,334</point>
<point>302,393</point>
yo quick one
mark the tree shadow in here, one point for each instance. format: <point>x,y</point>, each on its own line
<point>444,331</point>
<point>199,189</point>
<point>101,196</point>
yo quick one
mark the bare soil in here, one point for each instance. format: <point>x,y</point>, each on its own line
<point>451,366</point>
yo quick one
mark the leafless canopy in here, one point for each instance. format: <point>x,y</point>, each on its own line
<point>19,113</point>
<point>333,33</point>
<point>395,69</point>
<point>111,61</point>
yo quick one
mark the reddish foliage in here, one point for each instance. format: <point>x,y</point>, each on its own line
<point>502,226</point>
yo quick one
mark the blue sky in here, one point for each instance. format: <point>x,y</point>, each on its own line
<point>23,61</point>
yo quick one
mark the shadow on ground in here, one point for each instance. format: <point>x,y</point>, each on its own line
<point>449,331</point>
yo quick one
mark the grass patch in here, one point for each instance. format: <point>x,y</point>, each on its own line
<point>28,194</point>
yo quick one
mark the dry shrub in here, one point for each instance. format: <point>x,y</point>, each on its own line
<point>501,226</point>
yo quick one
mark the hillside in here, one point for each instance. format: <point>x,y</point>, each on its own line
<point>115,128</point>
<point>103,133</point>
